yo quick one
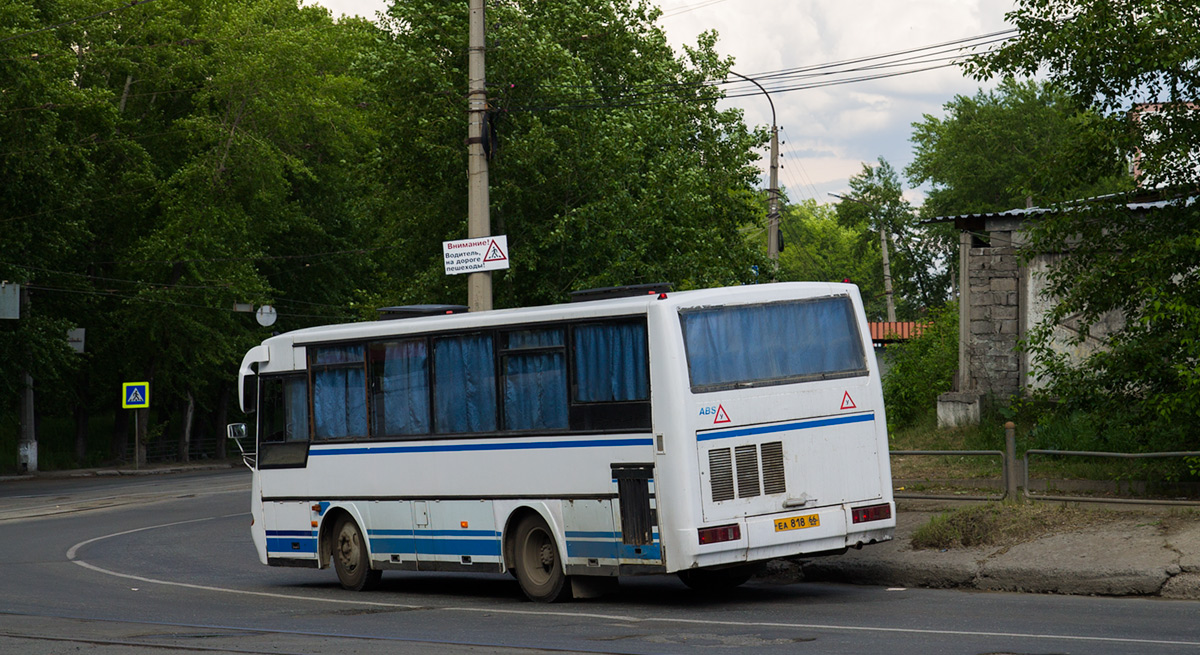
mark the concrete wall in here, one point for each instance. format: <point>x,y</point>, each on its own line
<point>993,314</point>
<point>1066,332</point>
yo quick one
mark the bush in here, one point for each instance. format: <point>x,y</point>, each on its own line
<point>922,368</point>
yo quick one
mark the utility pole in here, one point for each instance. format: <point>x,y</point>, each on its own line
<point>27,449</point>
<point>773,200</point>
<point>479,285</point>
<point>773,193</point>
<point>883,251</point>
<point>887,272</point>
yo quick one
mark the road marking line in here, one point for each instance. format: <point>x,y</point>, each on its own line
<point>72,555</point>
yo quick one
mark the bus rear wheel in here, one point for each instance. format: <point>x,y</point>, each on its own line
<point>711,580</point>
<point>538,564</point>
<point>349,555</point>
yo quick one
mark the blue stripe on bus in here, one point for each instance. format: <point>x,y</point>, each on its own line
<point>580,534</point>
<point>291,533</point>
<point>292,545</point>
<point>433,533</point>
<point>785,427</point>
<point>596,549</point>
<point>613,550</point>
<point>450,448</point>
<point>649,551</point>
<point>419,546</point>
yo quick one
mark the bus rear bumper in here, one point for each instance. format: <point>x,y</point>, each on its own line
<point>786,535</point>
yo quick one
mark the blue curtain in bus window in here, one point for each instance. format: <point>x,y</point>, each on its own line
<point>402,388</point>
<point>610,363</point>
<point>295,400</point>
<point>339,394</point>
<point>762,343</point>
<point>465,392</point>
<point>349,354</point>
<point>535,383</point>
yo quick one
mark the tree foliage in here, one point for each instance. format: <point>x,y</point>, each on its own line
<point>610,162</point>
<point>818,248</point>
<point>1024,142</point>
<point>1112,56</point>
<point>921,368</point>
<point>163,161</point>
<point>917,253</point>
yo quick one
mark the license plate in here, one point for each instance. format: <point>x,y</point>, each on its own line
<point>797,522</point>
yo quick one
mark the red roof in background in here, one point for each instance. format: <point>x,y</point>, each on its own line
<point>891,332</point>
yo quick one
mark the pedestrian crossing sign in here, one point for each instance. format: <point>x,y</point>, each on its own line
<point>135,395</point>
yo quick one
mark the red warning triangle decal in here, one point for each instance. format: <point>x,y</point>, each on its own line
<point>848,402</point>
<point>722,417</point>
<point>494,253</point>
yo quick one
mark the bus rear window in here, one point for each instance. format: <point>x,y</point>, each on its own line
<point>775,343</point>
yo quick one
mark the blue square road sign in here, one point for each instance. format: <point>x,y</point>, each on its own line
<point>135,395</point>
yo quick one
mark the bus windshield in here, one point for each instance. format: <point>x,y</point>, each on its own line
<point>773,343</point>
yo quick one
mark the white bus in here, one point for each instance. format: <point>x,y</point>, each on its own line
<point>698,433</point>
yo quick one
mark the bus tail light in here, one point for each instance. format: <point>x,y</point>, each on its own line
<point>871,513</point>
<point>720,533</point>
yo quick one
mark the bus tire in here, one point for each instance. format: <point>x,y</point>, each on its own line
<point>711,580</point>
<point>349,555</point>
<point>539,567</point>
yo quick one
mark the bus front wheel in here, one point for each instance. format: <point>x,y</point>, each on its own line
<point>538,564</point>
<point>349,555</point>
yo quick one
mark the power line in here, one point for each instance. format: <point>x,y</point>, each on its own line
<point>670,13</point>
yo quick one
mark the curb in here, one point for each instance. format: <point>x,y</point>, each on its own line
<point>117,472</point>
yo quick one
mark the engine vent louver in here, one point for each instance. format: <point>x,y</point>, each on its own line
<point>772,468</point>
<point>746,458</point>
<point>756,469</point>
<point>720,474</point>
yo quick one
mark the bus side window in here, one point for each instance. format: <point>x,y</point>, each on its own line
<point>610,381</point>
<point>464,391</point>
<point>535,379</point>
<point>339,391</point>
<point>399,387</point>
<point>610,363</point>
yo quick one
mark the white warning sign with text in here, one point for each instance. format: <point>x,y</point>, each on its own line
<point>475,255</point>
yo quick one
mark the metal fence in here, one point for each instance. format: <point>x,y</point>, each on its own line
<point>1124,456</point>
<point>1016,479</point>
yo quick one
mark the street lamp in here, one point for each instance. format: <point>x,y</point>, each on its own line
<point>773,193</point>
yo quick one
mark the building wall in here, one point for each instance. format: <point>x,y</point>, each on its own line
<point>993,314</point>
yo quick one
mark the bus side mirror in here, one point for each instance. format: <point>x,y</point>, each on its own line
<point>236,431</point>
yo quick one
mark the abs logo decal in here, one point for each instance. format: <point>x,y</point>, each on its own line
<point>718,413</point>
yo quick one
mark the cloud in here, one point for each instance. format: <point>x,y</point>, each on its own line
<point>835,128</point>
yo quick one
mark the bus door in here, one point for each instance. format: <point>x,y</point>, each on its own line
<point>283,444</point>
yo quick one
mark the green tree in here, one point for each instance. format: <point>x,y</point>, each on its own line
<point>1025,141</point>
<point>1111,56</point>
<point>819,248</point>
<point>611,163</point>
<point>877,211</point>
<point>922,368</point>
<point>186,157</point>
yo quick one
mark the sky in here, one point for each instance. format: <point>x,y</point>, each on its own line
<point>828,133</point>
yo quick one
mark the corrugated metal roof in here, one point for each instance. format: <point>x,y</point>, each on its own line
<point>1037,211</point>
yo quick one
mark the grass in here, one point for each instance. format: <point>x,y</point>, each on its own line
<point>1169,477</point>
<point>1004,525</point>
<point>927,436</point>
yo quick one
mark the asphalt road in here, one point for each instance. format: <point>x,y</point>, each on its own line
<point>165,565</point>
